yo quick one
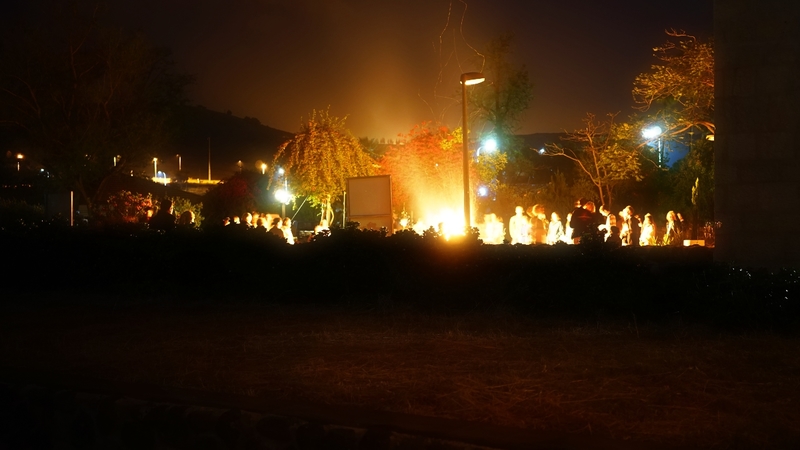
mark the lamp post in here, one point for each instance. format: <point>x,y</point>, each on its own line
<point>651,133</point>
<point>179,162</point>
<point>467,79</point>
<point>155,168</point>
<point>263,168</point>
<point>20,157</point>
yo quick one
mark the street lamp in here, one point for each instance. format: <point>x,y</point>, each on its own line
<point>651,133</point>
<point>467,79</point>
<point>179,162</point>
<point>20,157</point>
<point>263,168</point>
<point>283,195</point>
<point>155,168</point>
<point>489,146</point>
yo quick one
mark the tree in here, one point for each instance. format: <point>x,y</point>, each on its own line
<point>605,154</point>
<point>91,101</point>
<point>506,94</point>
<point>320,158</point>
<point>681,86</point>
<point>426,169</point>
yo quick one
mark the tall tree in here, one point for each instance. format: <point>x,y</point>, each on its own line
<point>91,101</point>
<point>505,95</point>
<point>679,90</point>
<point>605,154</point>
<point>319,159</point>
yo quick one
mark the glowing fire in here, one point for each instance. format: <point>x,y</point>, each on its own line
<point>447,222</point>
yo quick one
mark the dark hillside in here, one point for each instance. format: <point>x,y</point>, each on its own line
<point>233,139</point>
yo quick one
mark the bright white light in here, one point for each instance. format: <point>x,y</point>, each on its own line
<point>281,171</point>
<point>541,151</point>
<point>652,132</point>
<point>490,145</point>
<point>483,191</point>
<point>282,196</point>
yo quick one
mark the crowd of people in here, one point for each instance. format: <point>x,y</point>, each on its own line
<point>273,224</point>
<point>526,227</point>
<point>626,228</point>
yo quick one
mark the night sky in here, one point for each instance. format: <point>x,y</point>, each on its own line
<point>379,61</point>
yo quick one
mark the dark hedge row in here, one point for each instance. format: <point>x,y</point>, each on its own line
<point>427,272</point>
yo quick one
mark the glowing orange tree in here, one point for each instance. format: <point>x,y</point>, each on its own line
<point>425,167</point>
<point>319,159</point>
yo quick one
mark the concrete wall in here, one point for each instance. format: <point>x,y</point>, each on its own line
<point>757,48</point>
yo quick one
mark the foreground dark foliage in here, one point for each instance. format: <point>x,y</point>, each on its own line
<point>427,272</point>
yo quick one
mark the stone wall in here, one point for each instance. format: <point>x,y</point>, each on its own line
<point>757,147</point>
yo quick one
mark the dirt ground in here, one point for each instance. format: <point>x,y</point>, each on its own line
<point>675,384</point>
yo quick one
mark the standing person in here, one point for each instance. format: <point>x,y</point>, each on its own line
<point>610,221</point>
<point>583,220</point>
<point>493,229</point>
<point>276,228</point>
<point>631,227</point>
<point>519,227</point>
<point>164,219</point>
<point>186,219</point>
<point>287,231</point>
<point>568,230</point>
<point>672,231</point>
<point>555,231</point>
<point>648,236</point>
<point>539,225</point>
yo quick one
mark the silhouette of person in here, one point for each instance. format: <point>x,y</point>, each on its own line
<point>164,219</point>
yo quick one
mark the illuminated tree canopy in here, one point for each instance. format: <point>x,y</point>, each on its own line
<point>321,157</point>
<point>681,87</point>
<point>426,169</point>
<point>606,154</point>
<point>425,165</point>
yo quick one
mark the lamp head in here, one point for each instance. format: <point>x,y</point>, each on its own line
<point>472,78</point>
<point>652,132</point>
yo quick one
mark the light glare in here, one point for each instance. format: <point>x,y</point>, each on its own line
<point>652,132</point>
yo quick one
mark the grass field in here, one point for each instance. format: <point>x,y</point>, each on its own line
<point>667,382</point>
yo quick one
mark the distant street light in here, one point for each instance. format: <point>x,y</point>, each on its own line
<point>651,133</point>
<point>467,79</point>
<point>179,162</point>
<point>20,157</point>
<point>263,168</point>
<point>155,167</point>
